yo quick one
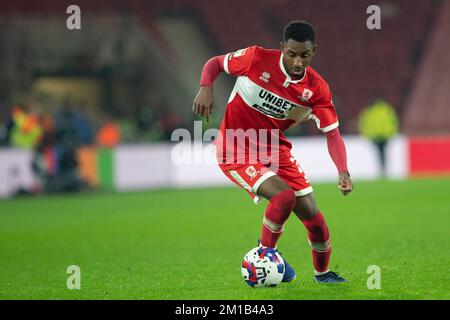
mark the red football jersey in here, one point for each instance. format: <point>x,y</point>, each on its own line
<point>266,97</point>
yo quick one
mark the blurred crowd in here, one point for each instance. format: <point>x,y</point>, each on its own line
<point>30,127</point>
<point>56,137</point>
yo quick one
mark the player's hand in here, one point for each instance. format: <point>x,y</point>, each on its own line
<point>345,183</point>
<point>203,102</point>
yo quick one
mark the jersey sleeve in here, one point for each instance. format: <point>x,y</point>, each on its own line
<point>238,63</point>
<point>323,111</point>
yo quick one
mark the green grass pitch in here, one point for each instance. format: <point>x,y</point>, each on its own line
<point>188,244</point>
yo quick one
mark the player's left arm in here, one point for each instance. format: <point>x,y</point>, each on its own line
<point>324,113</point>
<point>338,154</point>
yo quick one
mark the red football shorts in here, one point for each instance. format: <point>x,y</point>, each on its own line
<point>251,176</point>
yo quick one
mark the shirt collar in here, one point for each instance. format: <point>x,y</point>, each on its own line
<point>288,77</point>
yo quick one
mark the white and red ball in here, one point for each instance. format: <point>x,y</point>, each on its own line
<point>263,267</point>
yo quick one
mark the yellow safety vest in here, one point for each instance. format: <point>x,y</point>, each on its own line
<point>379,121</point>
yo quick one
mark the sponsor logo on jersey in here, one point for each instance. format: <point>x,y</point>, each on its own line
<point>273,105</point>
<point>261,99</point>
<point>265,77</point>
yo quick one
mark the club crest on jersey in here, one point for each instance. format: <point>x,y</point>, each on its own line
<point>265,77</point>
<point>306,95</point>
<point>251,171</point>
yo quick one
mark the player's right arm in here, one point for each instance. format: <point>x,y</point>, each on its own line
<point>203,102</point>
<point>235,63</point>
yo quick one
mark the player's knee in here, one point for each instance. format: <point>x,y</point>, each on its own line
<point>286,198</point>
<point>310,211</point>
<point>318,224</point>
<point>317,228</point>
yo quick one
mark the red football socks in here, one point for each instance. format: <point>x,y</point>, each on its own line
<point>276,214</point>
<point>319,239</point>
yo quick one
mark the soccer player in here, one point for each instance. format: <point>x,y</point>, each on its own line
<point>274,90</point>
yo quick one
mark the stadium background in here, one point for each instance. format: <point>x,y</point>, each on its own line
<point>91,112</point>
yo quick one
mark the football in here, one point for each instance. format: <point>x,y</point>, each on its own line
<point>262,267</point>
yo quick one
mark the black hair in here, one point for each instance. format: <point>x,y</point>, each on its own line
<point>300,31</point>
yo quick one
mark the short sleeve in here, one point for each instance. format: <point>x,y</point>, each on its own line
<point>238,63</point>
<point>323,111</point>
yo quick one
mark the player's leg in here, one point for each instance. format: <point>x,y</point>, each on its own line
<point>258,180</point>
<point>307,211</point>
<point>318,236</point>
<point>281,203</point>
